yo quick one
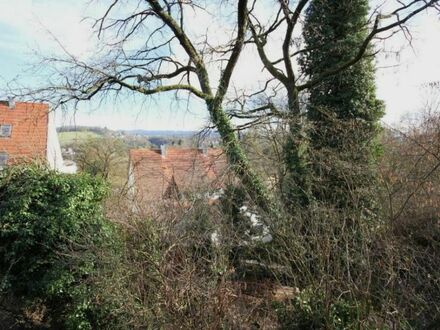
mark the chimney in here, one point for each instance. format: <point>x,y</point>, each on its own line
<point>11,102</point>
<point>163,150</point>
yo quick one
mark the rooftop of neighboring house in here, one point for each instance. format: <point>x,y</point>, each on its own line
<point>161,173</point>
<point>23,130</point>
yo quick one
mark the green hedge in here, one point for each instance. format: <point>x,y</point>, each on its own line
<point>51,231</point>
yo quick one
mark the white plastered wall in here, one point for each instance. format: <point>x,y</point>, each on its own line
<point>54,156</point>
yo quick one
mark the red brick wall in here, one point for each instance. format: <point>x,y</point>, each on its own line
<point>29,130</point>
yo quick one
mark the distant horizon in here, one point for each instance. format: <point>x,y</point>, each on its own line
<point>123,129</point>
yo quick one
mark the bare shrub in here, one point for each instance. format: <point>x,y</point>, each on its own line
<point>411,179</point>
<point>175,274</point>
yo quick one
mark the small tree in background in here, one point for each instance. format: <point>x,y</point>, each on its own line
<point>102,157</point>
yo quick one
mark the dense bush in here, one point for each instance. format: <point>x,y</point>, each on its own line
<point>51,231</point>
<point>310,310</point>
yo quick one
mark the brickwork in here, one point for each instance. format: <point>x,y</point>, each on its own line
<point>28,138</point>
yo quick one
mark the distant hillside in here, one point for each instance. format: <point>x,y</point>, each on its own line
<point>138,138</point>
<point>67,138</point>
<point>94,129</point>
<point>159,133</point>
<point>142,132</point>
<point>105,130</point>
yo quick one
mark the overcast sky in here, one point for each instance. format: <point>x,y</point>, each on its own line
<point>24,25</point>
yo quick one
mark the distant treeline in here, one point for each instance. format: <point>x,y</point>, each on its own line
<point>138,132</point>
<point>95,129</point>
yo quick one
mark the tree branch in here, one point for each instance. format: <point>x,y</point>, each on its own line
<point>291,22</point>
<point>364,46</point>
<point>186,44</point>
<point>242,20</point>
<point>278,74</point>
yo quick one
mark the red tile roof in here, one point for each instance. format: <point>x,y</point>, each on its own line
<point>155,174</point>
<point>28,138</point>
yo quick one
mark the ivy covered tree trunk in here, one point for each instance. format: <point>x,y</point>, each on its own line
<point>343,110</point>
<point>296,183</point>
<point>238,160</point>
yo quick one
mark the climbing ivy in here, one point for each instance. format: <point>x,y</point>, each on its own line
<point>343,109</point>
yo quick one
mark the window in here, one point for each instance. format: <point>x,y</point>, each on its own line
<point>5,130</point>
<point>3,160</point>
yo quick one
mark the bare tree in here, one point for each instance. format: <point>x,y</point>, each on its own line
<point>100,156</point>
<point>410,167</point>
<point>172,59</point>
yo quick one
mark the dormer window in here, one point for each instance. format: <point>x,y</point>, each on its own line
<point>3,159</point>
<point>5,130</point>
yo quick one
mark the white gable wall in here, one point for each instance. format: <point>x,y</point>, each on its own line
<point>54,156</point>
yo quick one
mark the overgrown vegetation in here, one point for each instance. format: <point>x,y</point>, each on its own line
<point>325,224</point>
<point>65,265</point>
<point>51,239</point>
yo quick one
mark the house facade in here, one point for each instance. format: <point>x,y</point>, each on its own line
<point>28,132</point>
<point>171,172</point>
